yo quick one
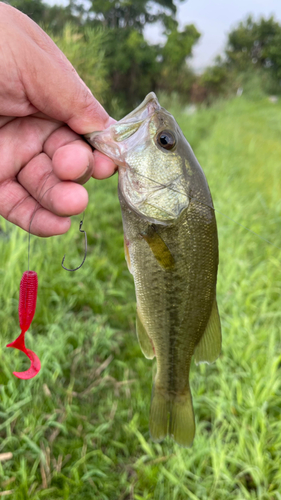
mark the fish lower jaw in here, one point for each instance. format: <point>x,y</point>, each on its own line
<point>113,151</point>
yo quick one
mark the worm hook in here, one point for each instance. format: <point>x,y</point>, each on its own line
<point>85,253</point>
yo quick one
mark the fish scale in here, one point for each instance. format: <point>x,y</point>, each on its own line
<point>171,248</point>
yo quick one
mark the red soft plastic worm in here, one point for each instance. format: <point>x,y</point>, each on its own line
<point>27,299</point>
<point>27,307</point>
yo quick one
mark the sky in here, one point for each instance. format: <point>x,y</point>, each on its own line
<point>214,19</point>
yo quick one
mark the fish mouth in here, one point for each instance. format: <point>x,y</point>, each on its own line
<point>146,109</point>
<point>109,141</point>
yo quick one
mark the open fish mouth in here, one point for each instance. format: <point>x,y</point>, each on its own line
<point>146,109</point>
<point>108,141</point>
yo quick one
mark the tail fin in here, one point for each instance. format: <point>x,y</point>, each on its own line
<point>180,425</point>
<point>159,415</point>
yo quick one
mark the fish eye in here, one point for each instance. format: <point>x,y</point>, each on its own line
<point>166,139</point>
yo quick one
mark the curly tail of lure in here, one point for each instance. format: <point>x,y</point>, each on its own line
<point>27,307</point>
<point>28,299</point>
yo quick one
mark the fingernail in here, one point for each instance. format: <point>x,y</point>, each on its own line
<point>85,176</point>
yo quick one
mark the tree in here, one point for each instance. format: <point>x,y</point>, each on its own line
<point>134,67</point>
<point>137,67</point>
<point>55,17</point>
<point>33,8</point>
<point>179,46</point>
<point>215,78</point>
<point>175,73</point>
<point>252,60</point>
<point>131,13</point>
<point>256,43</point>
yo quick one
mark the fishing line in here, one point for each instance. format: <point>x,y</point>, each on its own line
<point>191,198</point>
<point>27,307</point>
<point>36,208</point>
<point>28,298</point>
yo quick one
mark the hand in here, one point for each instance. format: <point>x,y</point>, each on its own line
<point>44,105</point>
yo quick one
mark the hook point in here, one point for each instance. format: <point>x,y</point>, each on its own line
<point>85,253</point>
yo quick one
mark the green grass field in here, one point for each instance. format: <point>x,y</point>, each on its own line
<point>79,430</point>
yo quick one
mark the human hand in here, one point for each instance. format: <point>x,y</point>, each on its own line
<point>44,106</point>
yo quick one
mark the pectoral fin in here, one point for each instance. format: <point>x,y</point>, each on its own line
<point>144,340</point>
<point>209,347</point>
<point>159,248</point>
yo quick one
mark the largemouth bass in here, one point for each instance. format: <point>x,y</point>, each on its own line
<point>171,248</point>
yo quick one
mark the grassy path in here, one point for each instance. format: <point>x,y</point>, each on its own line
<point>80,429</point>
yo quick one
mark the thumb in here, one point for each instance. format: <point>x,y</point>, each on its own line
<point>50,82</point>
<point>61,94</point>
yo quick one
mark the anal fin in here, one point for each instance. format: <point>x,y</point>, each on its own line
<point>209,346</point>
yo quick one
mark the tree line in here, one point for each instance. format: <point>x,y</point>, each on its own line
<point>131,65</point>
<point>251,60</point>
<point>104,40</point>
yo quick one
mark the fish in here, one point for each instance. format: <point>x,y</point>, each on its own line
<point>171,249</point>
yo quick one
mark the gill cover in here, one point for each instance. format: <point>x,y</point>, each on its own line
<point>152,174</point>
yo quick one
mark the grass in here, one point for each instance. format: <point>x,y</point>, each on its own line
<point>80,429</point>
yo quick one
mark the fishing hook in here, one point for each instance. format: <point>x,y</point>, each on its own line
<point>85,254</point>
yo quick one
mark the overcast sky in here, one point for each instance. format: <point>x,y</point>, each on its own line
<point>214,19</point>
